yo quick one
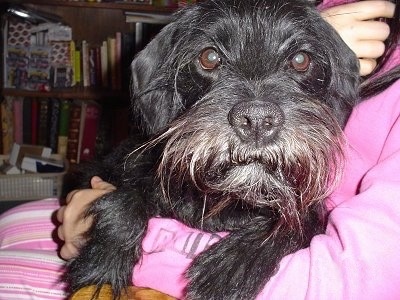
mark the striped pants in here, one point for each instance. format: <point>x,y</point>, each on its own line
<point>29,265</point>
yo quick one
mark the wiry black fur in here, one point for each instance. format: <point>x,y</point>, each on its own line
<point>268,191</point>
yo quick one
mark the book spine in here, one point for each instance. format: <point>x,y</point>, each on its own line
<point>54,119</point>
<point>89,132</point>
<point>65,107</point>
<point>85,64</point>
<point>72,53</point>
<point>77,67</point>
<point>27,121</point>
<point>112,62</point>
<point>34,120</point>
<point>43,122</point>
<point>118,60</point>
<point>104,64</point>
<point>97,64</point>
<point>73,132</point>
<point>18,119</point>
<point>82,124</point>
<point>7,124</point>
<point>92,67</point>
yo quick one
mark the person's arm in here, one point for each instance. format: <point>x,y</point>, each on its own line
<point>73,224</point>
<point>359,26</point>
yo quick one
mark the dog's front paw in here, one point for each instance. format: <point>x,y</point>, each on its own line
<point>114,244</point>
<point>230,269</point>
<point>239,266</point>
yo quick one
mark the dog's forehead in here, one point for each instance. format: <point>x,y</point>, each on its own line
<point>251,25</point>
<point>252,17</point>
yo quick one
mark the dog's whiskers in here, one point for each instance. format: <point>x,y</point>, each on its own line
<point>203,212</point>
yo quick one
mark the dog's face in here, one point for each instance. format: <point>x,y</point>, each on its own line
<point>250,97</point>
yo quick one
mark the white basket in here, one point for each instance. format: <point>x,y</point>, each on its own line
<point>31,186</point>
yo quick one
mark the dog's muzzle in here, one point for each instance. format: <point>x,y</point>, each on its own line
<point>256,121</point>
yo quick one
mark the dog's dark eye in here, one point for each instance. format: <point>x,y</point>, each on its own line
<point>301,62</point>
<point>209,59</point>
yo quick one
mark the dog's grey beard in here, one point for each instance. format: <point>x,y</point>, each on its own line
<point>299,168</point>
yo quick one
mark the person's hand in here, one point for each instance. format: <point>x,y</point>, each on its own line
<point>73,223</point>
<point>358,25</point>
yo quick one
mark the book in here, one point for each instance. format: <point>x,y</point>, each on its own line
<point>16,38</point>
<point>62,140</point>
<point>112,64</point>
<point>27,121</point>
<point>85,64</point>
<point>54,114</point>
<point>7,124</point>
<point>90,117</point>
<point>18,119</point>
<point>97,64</point>
<point>72,53</point>
<point>118,60</point>
<point>34,120</point>
<point>62,57</point>
<point>39,67</point>
<point>73,132</point>
<point>104,64</point>
<point>43,122</point>
<point>93,69</point>
<point>16,67</point>
<point>77,67</point>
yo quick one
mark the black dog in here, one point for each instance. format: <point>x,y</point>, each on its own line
<point>247,100</point>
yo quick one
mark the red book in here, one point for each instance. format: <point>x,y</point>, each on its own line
<point>91,112</point>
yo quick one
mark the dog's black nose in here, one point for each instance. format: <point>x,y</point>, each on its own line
<point>256,121</point>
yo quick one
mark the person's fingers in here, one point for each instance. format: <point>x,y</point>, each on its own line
<point>97,183</point>
<point>68,251</point>
<point>71,216</point>
<point>370,30</point>
<point>70,195</point>
<point>367,65</point>
<point>60,214</point>
<point>60,232</point>
<point>369,49</point>
<point>372,9</point>
<point>361,10</point>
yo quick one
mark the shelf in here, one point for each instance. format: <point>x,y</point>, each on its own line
<point>67,93</point>
<point>105,5</point>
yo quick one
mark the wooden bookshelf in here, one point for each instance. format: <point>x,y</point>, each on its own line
<point>93,22</point>
<point>118,5</point>
<point>81,93</point>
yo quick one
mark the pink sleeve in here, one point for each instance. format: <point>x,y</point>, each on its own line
<point>330,3</point>
<point>357,258</point>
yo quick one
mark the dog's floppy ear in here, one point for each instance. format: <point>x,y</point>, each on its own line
<point>152,88</point>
